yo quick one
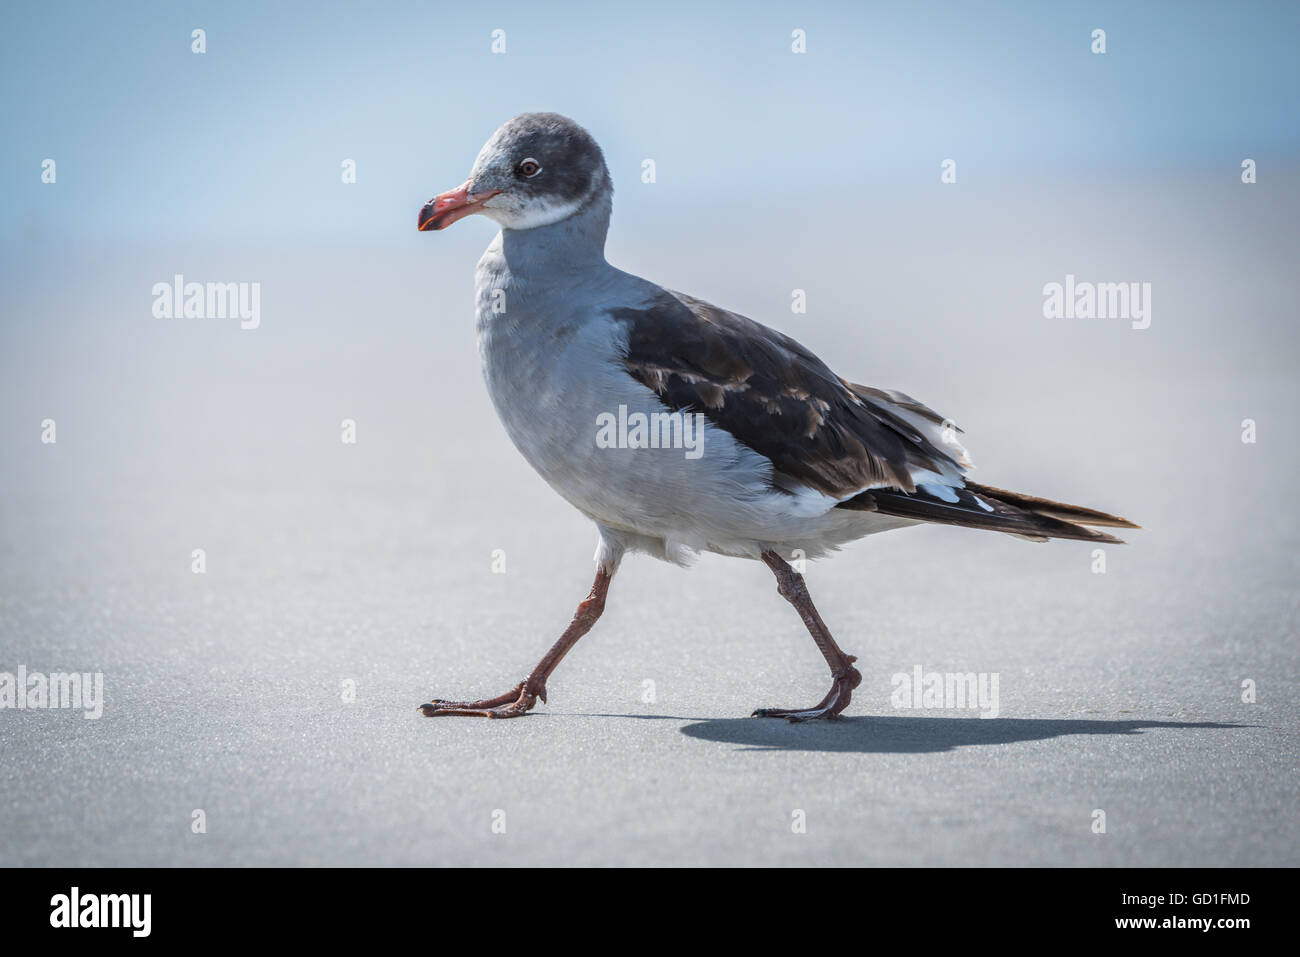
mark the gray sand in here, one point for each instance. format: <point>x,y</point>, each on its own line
<point>330,563</point>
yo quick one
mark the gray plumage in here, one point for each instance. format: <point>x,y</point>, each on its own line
<point>774,455</point>
<point>795,458</point>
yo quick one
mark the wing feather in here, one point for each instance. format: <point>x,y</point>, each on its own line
<point>776,397</point>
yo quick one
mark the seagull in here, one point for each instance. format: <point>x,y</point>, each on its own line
<point>678,427</point>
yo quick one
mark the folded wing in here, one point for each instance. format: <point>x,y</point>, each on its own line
<point>870,449</point>
<point>775,396</point>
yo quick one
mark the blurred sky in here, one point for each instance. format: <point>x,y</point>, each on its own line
<point>155,143</point>
<point>775,171</point>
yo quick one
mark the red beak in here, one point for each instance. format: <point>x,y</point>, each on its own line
<point>445,208</point>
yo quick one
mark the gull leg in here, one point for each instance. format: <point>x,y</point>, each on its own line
<point>521,698</point>
<point>844,677</point>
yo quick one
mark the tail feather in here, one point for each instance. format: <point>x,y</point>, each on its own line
<point>1075,514</point>
<point>980,506</point>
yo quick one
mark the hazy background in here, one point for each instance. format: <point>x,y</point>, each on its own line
<point>775,172</point>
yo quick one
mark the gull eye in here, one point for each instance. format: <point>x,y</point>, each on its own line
<point>529,168</point>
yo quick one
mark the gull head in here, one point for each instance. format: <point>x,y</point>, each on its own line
<point>535,170</point>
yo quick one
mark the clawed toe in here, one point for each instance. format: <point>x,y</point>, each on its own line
<point>513,704</point>
<point>836,700</point>
<point>794,715</point>
<point>439,709</point>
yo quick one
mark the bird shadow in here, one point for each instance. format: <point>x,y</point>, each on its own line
<point>912,735</point>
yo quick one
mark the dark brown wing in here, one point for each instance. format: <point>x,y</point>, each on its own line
<point>779,399</point>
